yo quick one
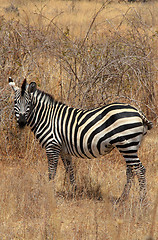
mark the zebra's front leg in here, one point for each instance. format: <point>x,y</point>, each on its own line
<point>52,152</point>
<point>69,169</point>
<point>67,160</point>
<point>127,187</point>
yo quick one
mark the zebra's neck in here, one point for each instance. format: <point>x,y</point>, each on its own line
<point>42,106</point>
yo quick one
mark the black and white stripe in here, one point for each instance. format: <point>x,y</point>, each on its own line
<point>67,131</point>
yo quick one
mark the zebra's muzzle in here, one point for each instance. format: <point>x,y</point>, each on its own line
<point>22,121</point>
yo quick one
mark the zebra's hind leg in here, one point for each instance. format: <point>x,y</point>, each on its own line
<point>127,187</point>
<point>134,167</point>
<point>140,173</point>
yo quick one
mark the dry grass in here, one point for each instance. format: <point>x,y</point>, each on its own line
<point>30,209</point>
<point>30,206</point>
<point>75,16</point>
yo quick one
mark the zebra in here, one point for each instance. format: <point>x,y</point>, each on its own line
<point>66,131</point>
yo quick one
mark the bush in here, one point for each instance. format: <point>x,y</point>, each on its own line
<point>106,65</point>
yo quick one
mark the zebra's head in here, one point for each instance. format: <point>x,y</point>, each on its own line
<point>22,100</point>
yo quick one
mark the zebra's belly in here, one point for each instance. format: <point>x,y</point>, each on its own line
<point>99,146</point>
<point>92,143</point>
<point>99,150</point>
<point>92,150</point>
<point>106,148</point>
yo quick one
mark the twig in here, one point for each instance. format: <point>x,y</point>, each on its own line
<point>93,20</point>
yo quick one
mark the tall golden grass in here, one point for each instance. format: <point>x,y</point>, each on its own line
<point>30,206</point>
<point>30,209</point>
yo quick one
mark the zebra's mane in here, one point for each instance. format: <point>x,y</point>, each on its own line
<point>23,87</point>
<point>48,97</point>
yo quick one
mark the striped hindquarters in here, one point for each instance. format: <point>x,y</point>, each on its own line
<point>96,132</point>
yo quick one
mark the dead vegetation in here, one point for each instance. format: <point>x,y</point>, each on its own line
<point>108,54</point>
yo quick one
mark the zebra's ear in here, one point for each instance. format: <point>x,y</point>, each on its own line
<point>32,87</point>
<point>12,84</point>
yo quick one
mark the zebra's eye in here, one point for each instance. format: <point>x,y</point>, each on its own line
<point>15,101</point>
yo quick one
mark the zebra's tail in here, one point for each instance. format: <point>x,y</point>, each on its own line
<point>149,124</point>
<point>146,122</point>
